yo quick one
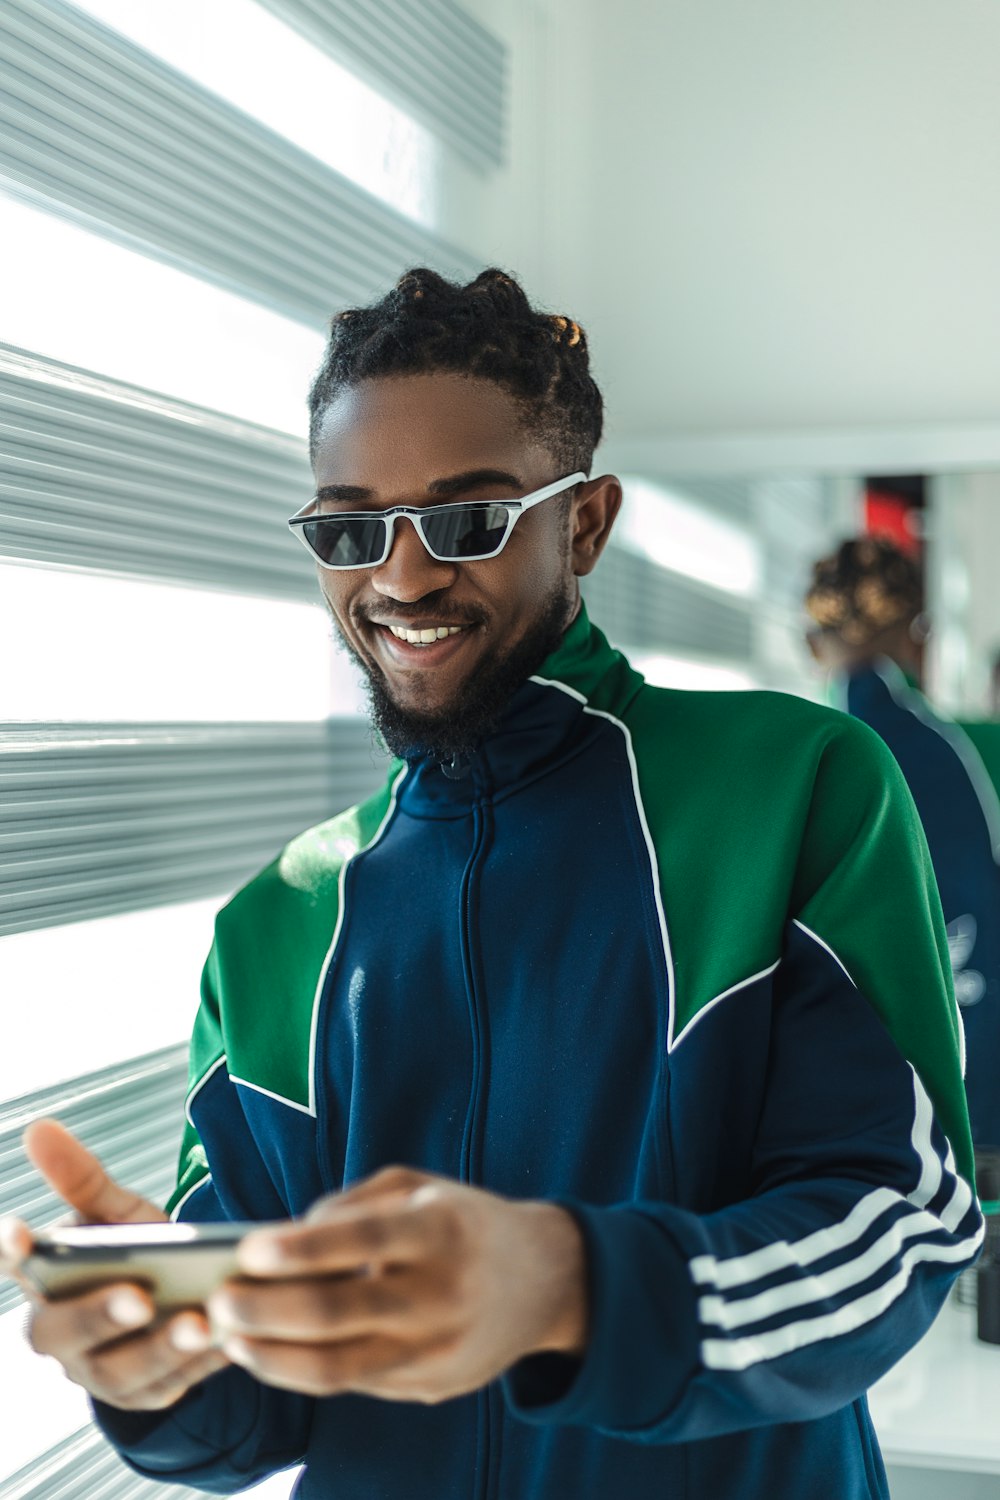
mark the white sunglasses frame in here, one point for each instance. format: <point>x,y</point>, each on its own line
<point>516,508</point>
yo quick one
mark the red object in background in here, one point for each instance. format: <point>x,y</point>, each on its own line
<point>893,516</point>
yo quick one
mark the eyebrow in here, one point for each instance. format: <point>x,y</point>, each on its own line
<point>453,484</point>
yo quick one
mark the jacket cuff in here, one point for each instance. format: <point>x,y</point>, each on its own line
<point>642,1341</point>
<point>221,1410</point>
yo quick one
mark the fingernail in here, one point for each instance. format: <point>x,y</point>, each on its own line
<point>189,1335</point>
<point>220,1310</point>
<point>9,1239</point>
<point>259,1254</point>
<point>238,1350</point>
<point>127,1308</point>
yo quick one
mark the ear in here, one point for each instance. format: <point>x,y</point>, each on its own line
<point>595,506</point>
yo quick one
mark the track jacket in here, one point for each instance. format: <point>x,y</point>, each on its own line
<point>960,813</point>
<point>674,960</point>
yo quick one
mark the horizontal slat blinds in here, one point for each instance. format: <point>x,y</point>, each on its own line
<point>640,605</point>
<point>84,1466</point>
<point>104,818</point>
<point>431,55</point>
<point>102,475</point>
<point>130,1115</point>
<point>99,130</point>
<point>724,497</point>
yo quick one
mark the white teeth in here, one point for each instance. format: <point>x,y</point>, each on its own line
<point>424,637</point>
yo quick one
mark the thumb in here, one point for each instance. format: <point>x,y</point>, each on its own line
<point>78,1178</point>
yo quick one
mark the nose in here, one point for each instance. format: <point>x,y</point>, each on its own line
<point>409,572</point>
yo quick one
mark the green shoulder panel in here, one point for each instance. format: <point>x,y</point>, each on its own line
<point>204,1054</point>
<point>271,945</point>
<point>764,808</point>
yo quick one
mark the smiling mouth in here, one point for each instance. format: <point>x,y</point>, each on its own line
<point>425,635</point>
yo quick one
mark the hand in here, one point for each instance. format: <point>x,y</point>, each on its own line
<point>408,1287</point>
<point>106,1340</point>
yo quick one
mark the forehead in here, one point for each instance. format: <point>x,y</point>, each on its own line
<point>402,431</point>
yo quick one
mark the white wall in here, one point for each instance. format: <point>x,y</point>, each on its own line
<point>770,217</point>
<point>964,588</point>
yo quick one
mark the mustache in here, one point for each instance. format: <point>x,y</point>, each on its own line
<point>421,609</point>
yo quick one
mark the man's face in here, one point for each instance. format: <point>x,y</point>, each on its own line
<point>423,440</point>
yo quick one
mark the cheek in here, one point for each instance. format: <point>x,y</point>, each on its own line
<point>535,569</point>
<point>336,596</point>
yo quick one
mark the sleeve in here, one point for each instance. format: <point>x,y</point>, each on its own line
<point>789,1303</point>
<point>230,1431</point>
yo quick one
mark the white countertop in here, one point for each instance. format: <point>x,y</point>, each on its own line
<point>939,1408</point>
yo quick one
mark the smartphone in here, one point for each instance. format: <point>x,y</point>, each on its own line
<point>179,1264</point>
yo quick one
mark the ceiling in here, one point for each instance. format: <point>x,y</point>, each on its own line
<point>775,220</point>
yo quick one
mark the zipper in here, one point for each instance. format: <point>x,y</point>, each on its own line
<point>471,1166</point>
<point>470,1169</point>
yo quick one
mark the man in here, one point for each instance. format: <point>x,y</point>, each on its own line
<point>646,991</point>
<point>866,602</point>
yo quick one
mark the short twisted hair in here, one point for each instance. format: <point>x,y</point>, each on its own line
<point>486,328</point>
<point>866,586</point>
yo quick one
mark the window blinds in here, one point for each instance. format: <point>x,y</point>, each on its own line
<point>85,1467</point>
<point>95,128</point>
<point>430,55</point>
<point>105,475</point>
<point>638,604</point>
<point>102,818</point>
<point>130,1115</point>
<point>99,474</point>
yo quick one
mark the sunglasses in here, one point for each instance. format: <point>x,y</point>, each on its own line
<point>467,531</point>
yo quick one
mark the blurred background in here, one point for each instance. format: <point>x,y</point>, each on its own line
<point>780,226</point>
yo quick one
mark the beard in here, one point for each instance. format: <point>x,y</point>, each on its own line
<point>454,732</point>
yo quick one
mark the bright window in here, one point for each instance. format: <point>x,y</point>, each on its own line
<point>116,988</point>
<point>41,1408</point>
<point>674,532</point>
<point>86,301</point>
<point>241,52</point>
<point>80,646</point>
<point>690,672</point>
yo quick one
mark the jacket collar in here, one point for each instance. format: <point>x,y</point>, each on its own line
<point>541,726</point>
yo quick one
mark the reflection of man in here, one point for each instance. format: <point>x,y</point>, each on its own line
<point>866,601</point>
<point>652,983</point>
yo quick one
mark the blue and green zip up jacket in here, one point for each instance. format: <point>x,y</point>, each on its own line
<point>674,960</point>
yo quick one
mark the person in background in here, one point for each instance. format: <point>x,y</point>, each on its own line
<point>869,630</point>
<point>602,1070</point>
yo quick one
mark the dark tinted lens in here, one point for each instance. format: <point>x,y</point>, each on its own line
<point>457,533</point>
<point>347,541</point>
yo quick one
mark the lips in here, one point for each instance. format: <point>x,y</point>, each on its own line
<point>429,653</point>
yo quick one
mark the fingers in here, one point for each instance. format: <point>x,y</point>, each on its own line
<point>69,1328</point>
<point>329,1310</point>
<point>78,1177</point>
<point>320,1369</point>
<point>15,1247</point>
<point>396,1231</point>
<point>152,1369</point>
<point>390,1181</point>
<point>109,1342</point>
<point>173,1386</point>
